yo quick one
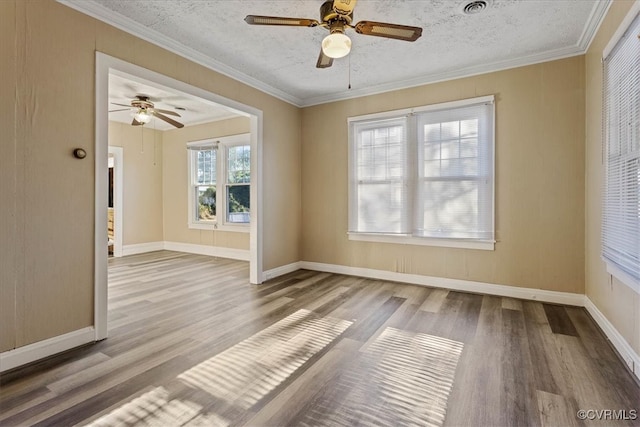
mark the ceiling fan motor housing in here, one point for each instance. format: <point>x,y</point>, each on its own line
<point>142,103</point>
<point>328,15</point>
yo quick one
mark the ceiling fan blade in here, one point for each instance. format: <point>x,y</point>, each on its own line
<point>171,113</point>
<point>136,123</point>
<point>167,119</point>
<point>390,31</point>
<point>119,109</point>
<point>122,105</point>
<point>344,7</point>
<point>324,61</point>
<point>277,20</point>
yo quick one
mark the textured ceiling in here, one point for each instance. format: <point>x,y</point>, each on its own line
<point>192,110</point>
<point>281,60</point>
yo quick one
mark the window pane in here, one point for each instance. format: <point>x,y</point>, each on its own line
<point>238,203</point>
<point>469,148</point>
<point>468,128</point>
<point>450,205</point>
<point>432,151</point>
<point>206,166</point>
<point>380,208</point>
<point>450,130</point>
<point>450,149</point>
<point>452,210</point>
<point>239,164</point>
<point>432,132</point>
<point>206,203</point>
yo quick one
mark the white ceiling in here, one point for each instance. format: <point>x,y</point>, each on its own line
<point>281,60</point>
<point>192,110</point>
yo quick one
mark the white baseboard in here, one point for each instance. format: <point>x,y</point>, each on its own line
<point>453,284</point>
<point>217,251</point>
<point>282,270</point>
<point>30,353</point>
<point>142,248</point>
<point>631,358</point>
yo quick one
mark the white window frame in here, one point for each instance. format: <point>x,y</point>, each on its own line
<point>222,145</point>
<point>412,145</point>
<point>622,33</point>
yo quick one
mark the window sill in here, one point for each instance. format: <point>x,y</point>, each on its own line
<point>203,226</point>
<point>485,245</point>
<point>622,276</point>
<point>244,228</point>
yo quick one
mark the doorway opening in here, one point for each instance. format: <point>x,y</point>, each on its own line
<point>106,67</point>
<point>115,206</point>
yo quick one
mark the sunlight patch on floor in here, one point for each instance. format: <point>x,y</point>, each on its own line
<point>403,379</point>
<point>249,370</point>
<point>238,377</point>
<point>156,408</point>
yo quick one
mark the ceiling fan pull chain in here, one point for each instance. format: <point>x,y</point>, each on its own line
<point>155,143</point>
<point>142,139</point>
<point>349,72</point>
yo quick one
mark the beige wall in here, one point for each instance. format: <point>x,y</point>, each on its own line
<point>539,181</point>
<point>49,101</point>
<point>47,87</point>
<point>11,247</point>
<point>175,185</point>
<point>619,303</point>
<point>142,175</point>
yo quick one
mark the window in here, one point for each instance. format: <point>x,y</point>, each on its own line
<point>237,183</point>
<point>204,182</point>
<point>219,182</point>
<point>424,176</point>
<point>621,210</point>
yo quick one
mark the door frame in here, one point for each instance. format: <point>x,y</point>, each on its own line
<point>106,65</point>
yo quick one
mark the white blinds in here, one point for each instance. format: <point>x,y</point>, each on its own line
<point>621,210</point>
<point>455,186</point>
<point>380,179</point>
<point>425,173</point>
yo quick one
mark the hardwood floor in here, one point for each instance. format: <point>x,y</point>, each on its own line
<point>193,343</point>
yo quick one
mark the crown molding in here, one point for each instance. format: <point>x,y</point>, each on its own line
<point>130,26</point>
<point>449,75</point>
<point>590,30</point>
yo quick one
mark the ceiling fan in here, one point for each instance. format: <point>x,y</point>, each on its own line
<point>336,16</point>
<point>145,110</point>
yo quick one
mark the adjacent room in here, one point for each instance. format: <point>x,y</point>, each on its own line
<point>314,212</point>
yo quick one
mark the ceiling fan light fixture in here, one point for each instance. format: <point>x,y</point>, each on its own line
<point>142,116</point>
<point>336,45</point>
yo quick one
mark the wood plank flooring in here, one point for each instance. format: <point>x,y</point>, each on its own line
<point>191,342</point>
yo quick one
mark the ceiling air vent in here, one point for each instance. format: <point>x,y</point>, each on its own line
<point>475,6</point>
